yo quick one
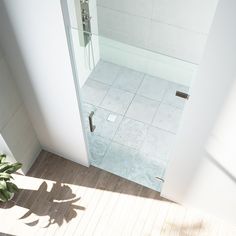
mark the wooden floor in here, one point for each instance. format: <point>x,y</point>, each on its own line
<point>59,197</point>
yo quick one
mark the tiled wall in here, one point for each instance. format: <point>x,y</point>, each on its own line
<point>17,136</point>
<point>177,28</point>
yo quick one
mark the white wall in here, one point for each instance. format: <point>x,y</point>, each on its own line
<point>177,28</point>
<point>202,170</point>
<point>17,136</point>
<point>34,40</point>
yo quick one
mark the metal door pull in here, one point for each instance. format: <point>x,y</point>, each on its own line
<point>160,179</point>
<point>91,126</point>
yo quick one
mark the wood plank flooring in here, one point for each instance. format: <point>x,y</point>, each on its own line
<point>59,197</point>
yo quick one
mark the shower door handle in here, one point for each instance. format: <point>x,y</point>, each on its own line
<point>91,126</point>
<point>160,179</point>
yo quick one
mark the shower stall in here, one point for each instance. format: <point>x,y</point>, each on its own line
<point>135,61</point>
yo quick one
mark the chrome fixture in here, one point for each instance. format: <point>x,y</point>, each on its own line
<point>91,126</point>
<point>83,21</point>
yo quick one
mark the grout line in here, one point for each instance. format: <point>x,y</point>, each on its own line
<point>118,128</point>
<point>155,113</point>
<point>105,96</point>
<point>119,71</point>
<point>135,94</point>
<point>129,104</point>
<point>110,86</point>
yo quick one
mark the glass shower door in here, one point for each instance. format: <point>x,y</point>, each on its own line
<point>130,108</point>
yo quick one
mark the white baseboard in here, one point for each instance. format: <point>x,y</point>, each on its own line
<point>145,61</point>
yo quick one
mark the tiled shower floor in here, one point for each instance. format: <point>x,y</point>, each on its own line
<point>136,117</point>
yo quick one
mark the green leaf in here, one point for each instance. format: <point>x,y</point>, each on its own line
<point>13,168</point>
<point>3,185</point>
<point>4,166</point>
<point>2,197</point>
<point>6,194</point>
<point>12,188</point>
<point>2,158</point>
<point>5,176</point>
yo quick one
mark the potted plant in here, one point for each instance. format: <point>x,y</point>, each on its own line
<point>7,188</point>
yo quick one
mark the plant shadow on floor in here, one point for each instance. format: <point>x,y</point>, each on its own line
<point>58,205</point>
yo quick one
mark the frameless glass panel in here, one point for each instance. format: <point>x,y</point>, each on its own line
<point>128,94</point>
<point>130,111</point>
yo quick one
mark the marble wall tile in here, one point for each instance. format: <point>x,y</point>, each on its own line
<point>98,147</point>
<point>157,143</point>
<point>117,100</point>
<point>93,92</point>
<point>131,133</point>
<point>142,109</point>
<point>105,72</point>
<point>167,118</point>
<point>104,127</point>
<point>153,88</point>
<point>119,160</point>
<point>129,80</point>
